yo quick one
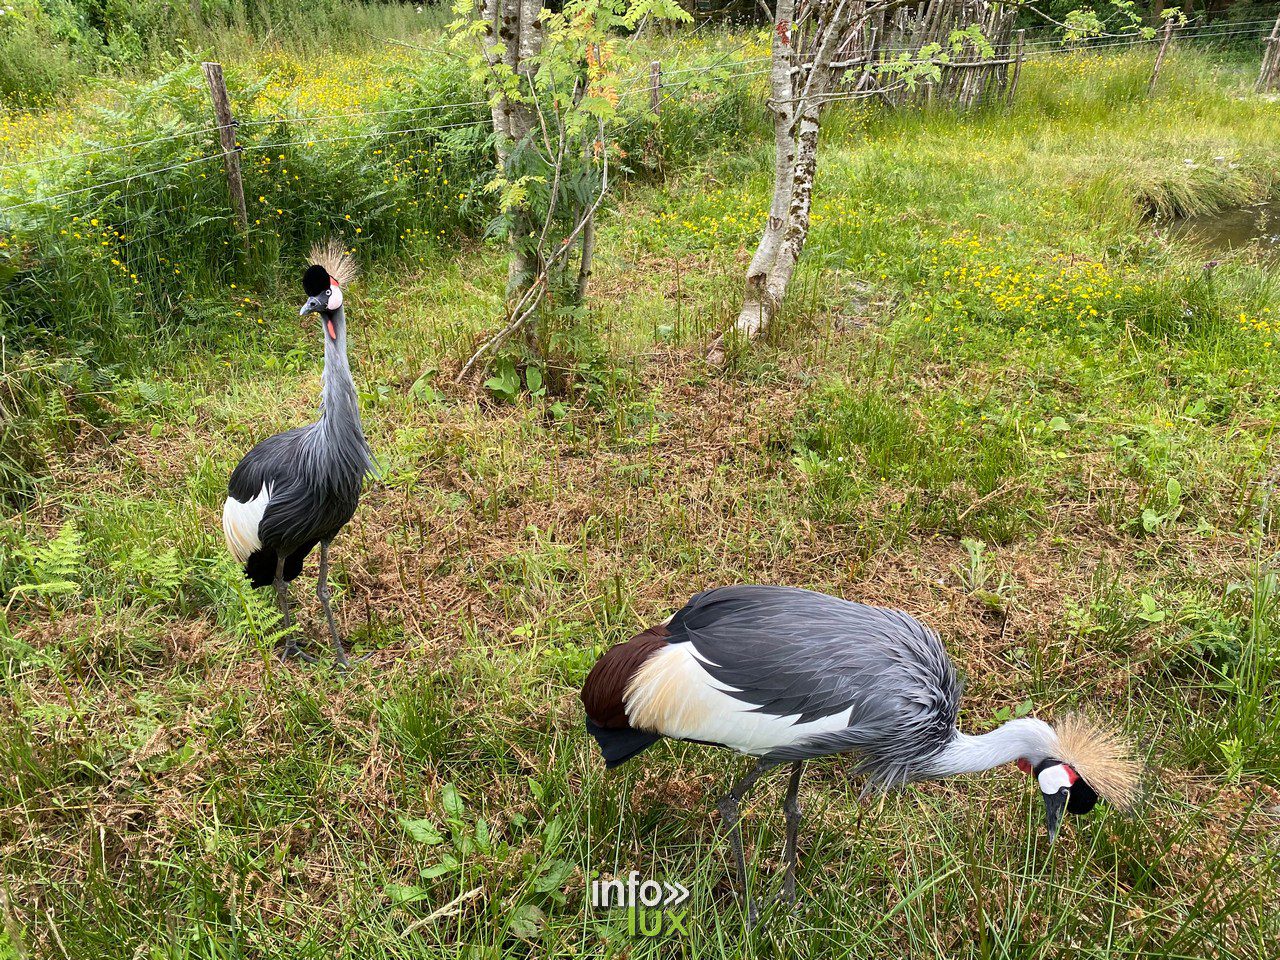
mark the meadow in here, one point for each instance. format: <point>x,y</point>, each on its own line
<point>1000,399</point>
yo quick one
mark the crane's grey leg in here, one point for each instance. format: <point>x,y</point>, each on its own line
<point>731,814</point>
<point>290,650</point>
<point>791,810</point>
<point>322,594</point>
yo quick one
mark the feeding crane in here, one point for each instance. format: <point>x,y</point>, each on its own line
<point>299,488</point>
<point>787,675</point>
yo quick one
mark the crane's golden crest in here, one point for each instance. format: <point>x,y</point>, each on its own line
<point>333,256</point>
<point>1103,757</point>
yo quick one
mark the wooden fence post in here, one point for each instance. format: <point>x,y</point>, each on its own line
<point>1017,68</point>
<point>1164,46</point>
<point>1269,75</point>
<point>651,146</point>
<point>227,136</point>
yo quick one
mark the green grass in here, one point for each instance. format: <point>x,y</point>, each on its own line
<point>987,340</point>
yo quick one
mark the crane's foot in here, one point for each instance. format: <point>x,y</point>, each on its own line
<point>345,663</point>
<point>784,901</point>
<point>291,651</point>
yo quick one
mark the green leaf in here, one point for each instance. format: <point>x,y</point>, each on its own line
<point>438,870</point>
<point>505,382</point>
<point>452,803</point>
<point>551,835</point>
<point>423,391</point>
<point>527,922</point>
<point>422,831</point>
<point>557,873</point>
<point>1151,611</point>
<point>1151,520</point>
<point>399,893</point>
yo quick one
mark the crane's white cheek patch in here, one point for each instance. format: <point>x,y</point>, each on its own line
<point>1053,779</point>
<point>240,523</point>
<point>673,694</point>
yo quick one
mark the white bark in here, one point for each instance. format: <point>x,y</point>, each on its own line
<point>513,37</point>
<point>796,96</point>
<point>756,310</point>
<point>498,51</point>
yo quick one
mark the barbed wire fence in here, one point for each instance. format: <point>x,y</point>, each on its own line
<point>135,221</point>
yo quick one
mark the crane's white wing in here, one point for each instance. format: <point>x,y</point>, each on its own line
<point>788,674</point>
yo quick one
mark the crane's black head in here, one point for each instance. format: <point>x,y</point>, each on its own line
<point>1063,789</point>
<point>324,296</point>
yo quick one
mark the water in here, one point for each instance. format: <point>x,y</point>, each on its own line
<point>1217,233</point>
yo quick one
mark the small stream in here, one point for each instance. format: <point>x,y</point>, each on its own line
<point>1217,233</point>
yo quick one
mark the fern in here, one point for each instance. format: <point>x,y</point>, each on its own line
<point>150,575</point>
<point>56,568</point>
<point>243,612</point>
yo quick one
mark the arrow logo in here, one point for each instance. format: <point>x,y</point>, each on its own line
<point>677,893</point>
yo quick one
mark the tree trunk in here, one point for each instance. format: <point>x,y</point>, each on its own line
<point>513,35</point>
<point>796,98</point>
<point>758,308</point>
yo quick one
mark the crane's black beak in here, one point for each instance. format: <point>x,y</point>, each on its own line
<point>1055,804</point>
<point>315,304</point>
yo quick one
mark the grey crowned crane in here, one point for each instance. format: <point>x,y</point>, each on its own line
<point>299,488</point>
<point>787,675</point>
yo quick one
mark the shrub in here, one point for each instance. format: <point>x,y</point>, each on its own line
<point>34,63</point>
<point>144,238</point>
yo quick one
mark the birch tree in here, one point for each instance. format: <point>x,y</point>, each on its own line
<point>807,37</point>
<point>809,61</point>
<point>554,88</point>
<point>512,38</point>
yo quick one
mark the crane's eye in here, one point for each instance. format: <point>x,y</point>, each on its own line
<point>1054,777</point>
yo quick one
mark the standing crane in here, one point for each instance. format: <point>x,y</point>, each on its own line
<point>787,675</point>
<point>299,488</point>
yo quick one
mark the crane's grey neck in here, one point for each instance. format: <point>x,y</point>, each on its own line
<point>345,450</point>
<point>1026,738</point>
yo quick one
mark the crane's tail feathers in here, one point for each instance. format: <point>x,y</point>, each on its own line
<point>619,746</point>
<point>260,568</point>
<point>333,256</point>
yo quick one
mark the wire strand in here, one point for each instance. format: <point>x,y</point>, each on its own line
<point>639,83</point>
<point>366,134</point>
<point>118,148</point>
<point>110,183</point>
<point>431,108</point>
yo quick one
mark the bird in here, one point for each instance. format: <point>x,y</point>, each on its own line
<point>299,488</point>
<point>785,675</point>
